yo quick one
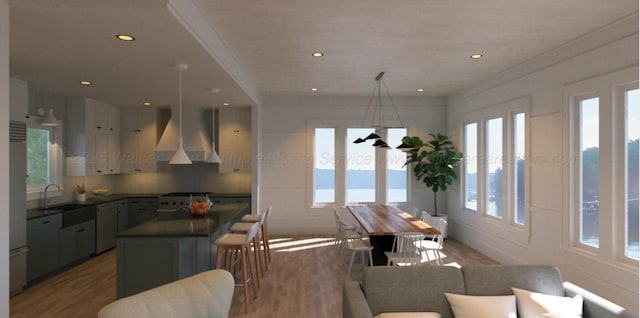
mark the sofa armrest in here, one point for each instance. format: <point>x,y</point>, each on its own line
<point>354,304</point>
<point>596,306</point>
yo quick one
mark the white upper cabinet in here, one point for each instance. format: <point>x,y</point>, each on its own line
<point>138,140</point>
<point>18,100</point>
<point>234,131</point>
<point>92,135</point>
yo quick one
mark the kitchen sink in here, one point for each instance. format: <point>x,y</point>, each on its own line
<point>51,210</point>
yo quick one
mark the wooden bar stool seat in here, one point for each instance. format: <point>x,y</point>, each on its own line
<point>231,244</point>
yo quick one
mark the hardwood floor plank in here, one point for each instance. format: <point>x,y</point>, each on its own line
<point>305,279</point>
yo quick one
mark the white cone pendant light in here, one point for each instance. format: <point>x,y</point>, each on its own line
<point>213,158</point>
<point>180,157</point>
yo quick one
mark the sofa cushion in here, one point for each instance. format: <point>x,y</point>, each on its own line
<point>413,288</point>
<point>418,314</point>
<point>495,280</point>
<point>534,305</point>
<point>464,306</point>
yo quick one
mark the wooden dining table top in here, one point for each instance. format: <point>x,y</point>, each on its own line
<point>388,220</point>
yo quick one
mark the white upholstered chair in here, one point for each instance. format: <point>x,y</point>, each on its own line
<point>208,294</point>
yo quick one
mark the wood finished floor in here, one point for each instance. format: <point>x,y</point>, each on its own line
<point>305,280</point>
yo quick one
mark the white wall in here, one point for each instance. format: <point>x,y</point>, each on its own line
<point>286,155</point>
<point>542,80</point>
<point>4,159</point>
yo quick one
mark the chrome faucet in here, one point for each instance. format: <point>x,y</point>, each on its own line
<point>46,200</point>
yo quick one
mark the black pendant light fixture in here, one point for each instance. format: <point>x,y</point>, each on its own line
<point>378,120</point>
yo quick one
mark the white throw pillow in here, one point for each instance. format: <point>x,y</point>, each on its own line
<point>464,306</point>
<point>408,315</point>
<point>532,304</point>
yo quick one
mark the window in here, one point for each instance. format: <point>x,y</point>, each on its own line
<point>396,171</point>
<point>494,168</point>
<point>603,117</point>
<point>324,166</point>
<point>589,170</point>
<point>361,167</point>
<point>632,172</point>
<point>520,164</point>
<point>344,172</point>
<point>471,166</point>
<point>44,157</point>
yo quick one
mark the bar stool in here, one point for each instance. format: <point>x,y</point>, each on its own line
<point>244,227</point>
<point>239,244</point>
<point>263,231</point>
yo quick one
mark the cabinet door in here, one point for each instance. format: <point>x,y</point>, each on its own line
<point>101,153</point>
<point>86,239</point>
<point>18,100</point>
<point>235,140</point>
<point>123,215</point>
<point>76,242</point>
<point>68,248</point>
<point>138,140</point>
<point>43,236</point>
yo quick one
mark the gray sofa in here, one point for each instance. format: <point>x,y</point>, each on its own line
<point>422,288</point>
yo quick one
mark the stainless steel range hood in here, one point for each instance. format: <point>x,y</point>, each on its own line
<point>195,136</point>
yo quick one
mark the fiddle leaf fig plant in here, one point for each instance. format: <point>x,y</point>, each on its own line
<point>433,162</point>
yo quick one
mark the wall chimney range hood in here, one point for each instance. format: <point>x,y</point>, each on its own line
<point>195,137</point>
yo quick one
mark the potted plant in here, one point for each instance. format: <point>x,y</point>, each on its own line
<point>433,162</point>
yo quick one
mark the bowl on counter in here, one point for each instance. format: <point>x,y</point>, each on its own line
<point>99,193</point>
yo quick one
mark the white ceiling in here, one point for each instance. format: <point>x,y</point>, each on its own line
<point>267,45</point>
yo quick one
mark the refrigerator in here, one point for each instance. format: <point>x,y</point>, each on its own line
<point>17,206</point>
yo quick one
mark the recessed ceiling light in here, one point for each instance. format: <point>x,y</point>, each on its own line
<point>225,104</point>
<point>420,89</point>
<point>476,56</point>
<point>317,54</point>
<point>146,104</point>
<point>85,82</point>
<point>125,37</point>
<point>314,89</point>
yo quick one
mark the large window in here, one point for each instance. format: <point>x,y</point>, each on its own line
<point>396,171</point>
<point>44,157</point>
<point>346,173</point>
<point>324,166</point>
<point>494,169</point>
<point>589,170</point>
<point>632,172</point>
<point>603,118</point>
<point>471,166</point>
<point>361,167</point>
<point>495,164</point>
<point>519,174</point>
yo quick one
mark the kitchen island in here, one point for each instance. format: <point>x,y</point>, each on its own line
<point>175,245</point>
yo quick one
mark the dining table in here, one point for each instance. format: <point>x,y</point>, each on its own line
<point>383,222</point>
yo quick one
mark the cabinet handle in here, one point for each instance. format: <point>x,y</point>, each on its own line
<point>99,127</point>
<point>99,171</point>
<point>45,222</point>
<point>80,230</point>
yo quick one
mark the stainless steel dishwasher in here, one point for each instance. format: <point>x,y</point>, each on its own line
<point>106,226</point>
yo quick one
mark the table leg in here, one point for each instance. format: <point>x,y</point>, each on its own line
<point>381,244</point>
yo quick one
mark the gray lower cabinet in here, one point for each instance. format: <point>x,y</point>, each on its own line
<point>77,242</point>
<point>142,210</point>
<point>147,262</point>
<point>43,235</point>
<point>123,215</point>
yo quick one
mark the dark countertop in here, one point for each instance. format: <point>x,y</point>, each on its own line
<point>182,223</point>
<point>57,208</point>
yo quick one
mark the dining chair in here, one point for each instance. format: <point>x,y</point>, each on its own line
<point>362,245</point>
<point>435,244</point>
<point>427,218</point>
<point>344,232</point>
<point>404,251</point>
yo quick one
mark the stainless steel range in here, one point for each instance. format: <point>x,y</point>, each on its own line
<point>180,199</point>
